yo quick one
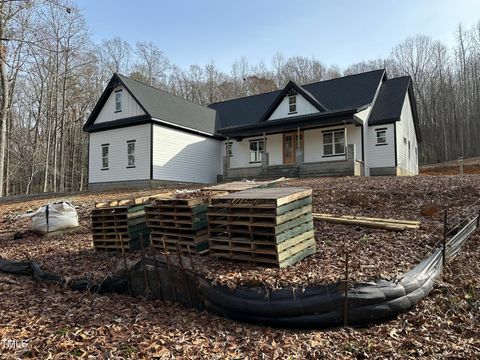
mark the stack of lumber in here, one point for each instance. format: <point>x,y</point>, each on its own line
<point>179,223</point>
<point>265,226</point>
<point>234,186</point>
<point>118,228</point>
<point>378,223</point>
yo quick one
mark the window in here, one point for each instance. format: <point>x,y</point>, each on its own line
<point>118,101</point>
<point>334,143</point>
<point>257,147</point>
<point>409,149</point>
<point>104,156</point>
<point>405,140</point>
<point>228,148</point>
<point>381,136</point>
<point>292,104</point>
<point>130,153</point>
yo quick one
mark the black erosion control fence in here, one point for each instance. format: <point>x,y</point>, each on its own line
<point>341,303</point>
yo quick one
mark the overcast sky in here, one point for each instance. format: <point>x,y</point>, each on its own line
<point>336,32</point>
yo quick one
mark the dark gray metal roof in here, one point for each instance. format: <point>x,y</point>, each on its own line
<point>353,91</point>
<point>170,108</point>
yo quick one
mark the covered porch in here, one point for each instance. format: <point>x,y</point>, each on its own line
<point>309,146</point>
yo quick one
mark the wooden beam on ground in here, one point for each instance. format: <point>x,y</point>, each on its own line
<point>379,223</point>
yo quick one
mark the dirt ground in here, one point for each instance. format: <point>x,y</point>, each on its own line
<point>56,322</point>
<point>470,166</point>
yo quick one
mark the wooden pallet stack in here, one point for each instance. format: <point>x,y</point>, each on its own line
<point>179,222</point>
<point>266,226</point>
<point>119,227</point>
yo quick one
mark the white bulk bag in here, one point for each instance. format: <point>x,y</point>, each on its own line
<point>53,217</point>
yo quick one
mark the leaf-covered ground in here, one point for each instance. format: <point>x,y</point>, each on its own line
<point>58,323</point>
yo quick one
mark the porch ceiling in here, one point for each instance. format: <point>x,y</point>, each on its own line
<point>291,124</point>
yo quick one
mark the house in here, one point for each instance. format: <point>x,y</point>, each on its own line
<point>362,124</point>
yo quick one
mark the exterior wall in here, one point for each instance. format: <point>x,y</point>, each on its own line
<point>313,143</point>
<point>129,107</point>
<point>185,157</point>
<point>408,165</point>
<point>117,159</point>
<point>241,151</point>
<point>303,107</point>
<point>379,156</point>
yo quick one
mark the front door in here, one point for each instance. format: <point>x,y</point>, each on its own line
<point>290,144</point>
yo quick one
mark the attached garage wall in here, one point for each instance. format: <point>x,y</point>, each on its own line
<point>185,157</point>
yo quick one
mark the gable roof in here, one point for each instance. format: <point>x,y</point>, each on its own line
<point>348,92</point>
<point>389,103</point>
<point>160,106</point>
<point>291,89</point>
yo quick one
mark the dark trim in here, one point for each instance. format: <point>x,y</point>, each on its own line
<point>105,144</point>
<point>116,91</point>
<point>131,141</point>
<point>291,89</point>
<point>255,162</point>
<point>334,130</point>
<point>151,151</point>
<point>130,166</point>
<point>88,163</point>
<point>117,111</point>
<point>381,129</point>
<point>293,112</point>
<point>363,143</point>
<point>105,169</point>
<point>413,105</point>
<point>259,139</point>
<point>395,142</point>
<point>381,144</point>
<point>117,124</point>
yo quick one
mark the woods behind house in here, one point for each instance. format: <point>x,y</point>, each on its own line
<point>52,73</point>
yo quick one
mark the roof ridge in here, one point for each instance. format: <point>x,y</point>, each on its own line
<point>244,97</point>
<point>165,92</point>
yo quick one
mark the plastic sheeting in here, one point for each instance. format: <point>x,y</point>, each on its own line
<point>53,217</point>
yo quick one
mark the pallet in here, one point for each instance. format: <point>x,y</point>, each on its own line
<point>235,186</point>
<point>268,226</point>
<point>128,202</point>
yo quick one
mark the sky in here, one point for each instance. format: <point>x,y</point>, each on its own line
<point>337,32</point>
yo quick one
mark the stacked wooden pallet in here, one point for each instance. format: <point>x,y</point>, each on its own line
<point>268,226</point>
<point>118,228</point>
<point>179,223</point>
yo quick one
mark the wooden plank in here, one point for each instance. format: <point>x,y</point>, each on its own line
<point>285,245</point>
<point>292,251</point>
<point>367,223</point>
<point>291,215</point>
<point>394,221</point>
<point>298,257</point>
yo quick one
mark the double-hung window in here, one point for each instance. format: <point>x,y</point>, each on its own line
<point>334,142</point>
<point>228,148</point>
<point>118,101</point>
<point>131,153</point>
<point>105,156</point>
<point>292,104</point>
<point>381,136</point>
<point>257,147</point>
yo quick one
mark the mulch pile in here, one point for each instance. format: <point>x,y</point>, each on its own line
<point>55,322</point>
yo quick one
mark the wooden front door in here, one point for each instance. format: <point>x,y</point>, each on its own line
<point>290,144</point>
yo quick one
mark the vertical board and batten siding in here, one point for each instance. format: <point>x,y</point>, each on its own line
<point>186,157</point>
<point>130,107</point>
<point>380,156</point>
<point>303,108</point>
<point>406,130</point>
<point>117,154</point>
<point>313,143</point>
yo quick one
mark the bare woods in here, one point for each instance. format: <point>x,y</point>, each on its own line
<point>52,73</point>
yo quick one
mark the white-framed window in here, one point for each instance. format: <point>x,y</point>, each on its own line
<point>257,147</point>
<point>131,153</point>
<point>118,101</point>
<point>228,148</point>
<point>105,156</point>
<point>292,104</point>
<point>334,142</point>
<point>381,136</point>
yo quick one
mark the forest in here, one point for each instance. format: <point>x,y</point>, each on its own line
<point>52,73</point>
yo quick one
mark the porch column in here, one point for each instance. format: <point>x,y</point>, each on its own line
<point>226,158</point>
<point>299,150</point>
<point>265,156</point>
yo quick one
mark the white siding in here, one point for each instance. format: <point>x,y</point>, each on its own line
<point>182,156</point>
<point>303,108</point>
<point>313,143</point>
<point>129,107</point>
<point>241,151</point>
<point>117,159</point>
<point>406,130</point>
<point>382,155</point>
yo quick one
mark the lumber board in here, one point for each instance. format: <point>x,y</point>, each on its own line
<point>378,223</point>
<point>298,257</point>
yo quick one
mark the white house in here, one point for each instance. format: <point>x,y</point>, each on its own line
<point>363,124</point>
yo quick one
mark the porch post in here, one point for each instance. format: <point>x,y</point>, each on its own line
<point>265,159</point>
<point>298,149</point>
<point>226,159</point>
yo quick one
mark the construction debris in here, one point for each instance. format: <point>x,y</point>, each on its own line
<point>267,226</point>
<point>378,223</point>
<point>242,185</point>
<point>54,217</point>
